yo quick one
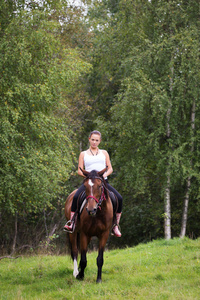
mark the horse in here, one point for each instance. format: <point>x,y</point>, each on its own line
<point>96,219</point>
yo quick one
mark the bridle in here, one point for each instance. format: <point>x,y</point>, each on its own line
<point>102,196</point>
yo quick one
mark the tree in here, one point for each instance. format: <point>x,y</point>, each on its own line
<point>151,106</point>
<point>38,71</point>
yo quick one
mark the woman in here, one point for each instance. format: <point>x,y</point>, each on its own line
<point>95,159</point>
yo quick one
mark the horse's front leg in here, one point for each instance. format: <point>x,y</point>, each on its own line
<point>99,265</point>
<point>100,260</point>
<point>83,262</point>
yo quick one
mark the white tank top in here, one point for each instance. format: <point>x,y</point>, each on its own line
<point>96,162</point>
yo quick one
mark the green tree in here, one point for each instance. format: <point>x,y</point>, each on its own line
<point>39,75</point>
<point>151,114</point>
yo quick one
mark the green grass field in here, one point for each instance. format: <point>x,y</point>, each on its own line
<point>157,270</point>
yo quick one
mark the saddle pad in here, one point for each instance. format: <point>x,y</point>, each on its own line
<point>81,202</point>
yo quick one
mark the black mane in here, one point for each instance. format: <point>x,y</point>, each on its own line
<point>93,174</point>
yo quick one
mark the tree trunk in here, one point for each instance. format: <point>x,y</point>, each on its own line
<point>185,209</point>
<point>15,235</point>
<point>187,195</point>
<point>167,220</point>
<point>167,214</point>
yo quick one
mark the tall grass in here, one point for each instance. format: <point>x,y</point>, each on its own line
<point>157,270</point>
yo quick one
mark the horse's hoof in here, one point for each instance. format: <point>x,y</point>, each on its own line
<point>99,281</point>
<point>79,277</point>
<point>75,274</point>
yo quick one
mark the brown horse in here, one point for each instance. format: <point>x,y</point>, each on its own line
<point>95,220</point>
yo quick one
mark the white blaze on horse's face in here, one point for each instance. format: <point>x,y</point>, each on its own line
<point>91,184</point>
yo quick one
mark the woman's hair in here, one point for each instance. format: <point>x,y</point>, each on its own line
<point>95,132</point>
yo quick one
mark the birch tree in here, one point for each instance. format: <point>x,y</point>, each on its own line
<point>188,180</point>
<point>150,112</point>
<point>190,52</point>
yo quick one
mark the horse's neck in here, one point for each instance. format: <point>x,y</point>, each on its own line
<point>106,202</point>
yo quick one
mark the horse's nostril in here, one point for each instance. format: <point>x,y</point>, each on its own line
<point>91,212</point>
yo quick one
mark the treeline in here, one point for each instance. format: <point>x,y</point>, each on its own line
<point>129,69</point>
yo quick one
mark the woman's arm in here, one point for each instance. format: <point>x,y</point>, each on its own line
<point>81,164</point>
<point>108,164</point>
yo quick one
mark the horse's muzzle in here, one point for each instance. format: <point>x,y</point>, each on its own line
<point>91,212</point>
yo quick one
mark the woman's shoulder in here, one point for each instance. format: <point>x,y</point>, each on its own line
<point>82,153</point>
<point>104,152</point>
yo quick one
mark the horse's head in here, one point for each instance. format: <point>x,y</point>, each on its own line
<point>94,186</point>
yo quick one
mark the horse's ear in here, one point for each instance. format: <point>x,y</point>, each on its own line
<point>100,173</point>
<point>84,172</point>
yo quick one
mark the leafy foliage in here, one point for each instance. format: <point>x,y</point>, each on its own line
<point>39,74</point>
<point>155,59</point>
<point>129,69</point>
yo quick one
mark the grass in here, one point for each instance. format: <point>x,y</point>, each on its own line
<point>157,270</point>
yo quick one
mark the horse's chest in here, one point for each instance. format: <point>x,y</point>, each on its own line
<point>94,225</point>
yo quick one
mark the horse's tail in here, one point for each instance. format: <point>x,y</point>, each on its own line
<point>68,244</point>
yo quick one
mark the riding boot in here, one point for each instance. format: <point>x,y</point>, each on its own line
<point>115,229</point>
<point>70,225</point>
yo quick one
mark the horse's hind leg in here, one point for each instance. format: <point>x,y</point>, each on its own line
<point>75,272</point>
<point>74,253</point>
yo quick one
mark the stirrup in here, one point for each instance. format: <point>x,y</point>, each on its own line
<point>73,226</point>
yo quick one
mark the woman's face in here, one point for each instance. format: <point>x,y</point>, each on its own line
<point>94,140</point>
